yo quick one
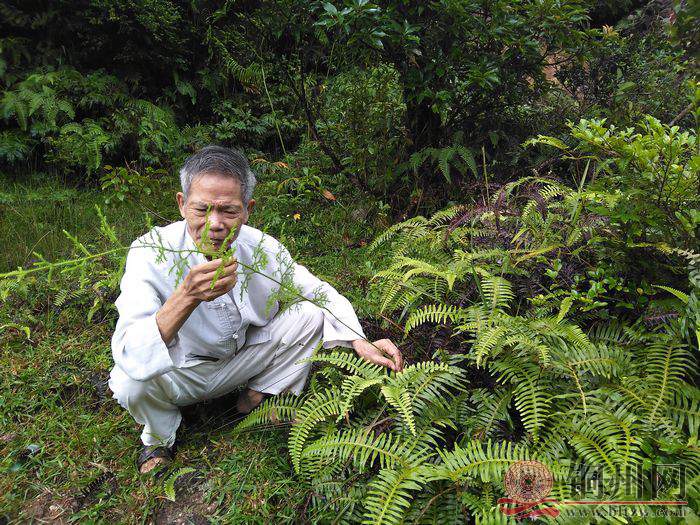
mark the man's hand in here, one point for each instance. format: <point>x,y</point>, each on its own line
<point>194,289</point>
<point>197,284</point>
<point>378,351</point>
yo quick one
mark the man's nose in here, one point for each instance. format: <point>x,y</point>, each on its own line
<point>216,221</point>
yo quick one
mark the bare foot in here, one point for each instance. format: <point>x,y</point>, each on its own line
<point>153,463</point>
<point>249,400</point>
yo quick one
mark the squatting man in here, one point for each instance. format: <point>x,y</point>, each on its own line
<point>179,340</point>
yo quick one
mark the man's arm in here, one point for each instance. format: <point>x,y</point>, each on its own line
<point>342,327</point>
<point>195,288</point>
<point>173,314</point>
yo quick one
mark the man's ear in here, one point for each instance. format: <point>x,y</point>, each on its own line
<point>180,197</point>
<point>251,204</point>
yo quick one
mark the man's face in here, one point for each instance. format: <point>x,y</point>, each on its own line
<point>223,197</point>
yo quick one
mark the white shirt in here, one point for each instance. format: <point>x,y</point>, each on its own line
<point>216,328</point>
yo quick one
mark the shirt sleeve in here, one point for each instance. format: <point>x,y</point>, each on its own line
<point>137,346</point>
<point>340,325</point>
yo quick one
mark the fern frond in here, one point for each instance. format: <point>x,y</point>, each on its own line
<point>467,156</point>
<point>394,230</point>
<point>604,437</point>
<point>443,216</point>
<point>353,386</point>
<point>429,382</point>
<point>532,395</point>
<point>348,361</point>
<point>486,461</point>
<point>489,408</point>
<point>364,448</point>
<point>609,333</point>
<point>436,314</point>
<point>498,292</point>
<point>684,409</point>
<point>315,409</point>
<point>169,485</point>
<point>390,494</point>
<point>277,408</point>
<point>682,296</point>
<point>420,267</point>
<point>488,342</point>
<point>400,399</point>
<point>667,363</point>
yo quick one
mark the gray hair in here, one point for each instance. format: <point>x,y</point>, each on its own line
<point>219,160</point>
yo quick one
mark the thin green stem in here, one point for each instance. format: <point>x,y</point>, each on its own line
<point>20,272</point>
<point>272,108</point>
<point>80,260</point>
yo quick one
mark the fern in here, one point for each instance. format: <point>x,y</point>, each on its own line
<point>363,448</point>
<point>498,293</point>
<point>14,146</point>
<point>390,494</point>
<point>489,410</point>
<point>529,382</point>
<point>315,409</point>
<point>348,361</point>
<point>169,485</point>
<point>667,363</point>
<point>532,394</point>
<point>82,144</point>
<point>353,386</point>
<point>279,408</point>
<point>436,314</point>
<point>398,230</point>
<point>401,400</point>
<point>486,461</point>
<point>455,155</point>
<point>684,409</point>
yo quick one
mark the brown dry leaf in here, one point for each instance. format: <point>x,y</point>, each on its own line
<point>328,195</point>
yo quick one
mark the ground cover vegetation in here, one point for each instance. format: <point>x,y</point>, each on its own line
<point>509,190</point>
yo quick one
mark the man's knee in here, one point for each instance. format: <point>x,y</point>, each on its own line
<point>309,315</point>
<point>127,390</point>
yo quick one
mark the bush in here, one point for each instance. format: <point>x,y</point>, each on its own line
<point>649,176</point>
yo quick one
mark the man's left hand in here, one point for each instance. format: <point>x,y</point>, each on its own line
<point>382,352</point>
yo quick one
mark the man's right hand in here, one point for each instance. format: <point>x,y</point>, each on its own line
<point>194,289</point>
<point>197,284</point>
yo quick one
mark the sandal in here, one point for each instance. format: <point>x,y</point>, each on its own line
<point>151,452</point>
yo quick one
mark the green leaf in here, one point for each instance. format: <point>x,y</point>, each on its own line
<point>564,308</point>
<point>169,485</point>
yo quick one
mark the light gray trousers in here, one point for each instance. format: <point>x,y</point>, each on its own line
<point>268,367</point>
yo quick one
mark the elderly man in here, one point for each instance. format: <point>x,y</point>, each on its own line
<point>180,340</point>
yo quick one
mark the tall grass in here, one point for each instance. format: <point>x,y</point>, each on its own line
<point>34,213</point>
